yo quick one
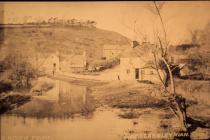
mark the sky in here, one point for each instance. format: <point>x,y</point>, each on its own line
<point>121,17</point>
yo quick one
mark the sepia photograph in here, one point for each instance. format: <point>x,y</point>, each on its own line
<point>105,70</point>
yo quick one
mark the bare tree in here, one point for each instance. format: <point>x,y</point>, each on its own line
<point>26,19</point>
<point>177,102</point>
<point>194,36</point>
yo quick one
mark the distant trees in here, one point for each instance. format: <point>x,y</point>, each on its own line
<point>61,21</point>
<point>203,37</point>
<point>194,36</point>
<point>196,62</point>
<point>198,51</point>
<point>26,19</point>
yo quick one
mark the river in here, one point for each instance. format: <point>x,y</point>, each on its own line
<point>68,112</point>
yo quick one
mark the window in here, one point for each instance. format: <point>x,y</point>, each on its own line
<point>137,73</point>
<point>151,72</point>
<point>103,58</point>
<point>128,71</point>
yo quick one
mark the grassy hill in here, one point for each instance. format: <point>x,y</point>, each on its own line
<point>68,40</point>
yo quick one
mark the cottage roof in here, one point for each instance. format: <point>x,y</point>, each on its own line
<point>143,54</point>
<point>138,62</point>
<point>141,50</point>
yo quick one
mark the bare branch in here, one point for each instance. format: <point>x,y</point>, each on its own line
<point>158,9</point>
<point>156,68</point>
<point>161,46</point>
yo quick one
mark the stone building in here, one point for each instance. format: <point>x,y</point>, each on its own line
<point>138,64</point>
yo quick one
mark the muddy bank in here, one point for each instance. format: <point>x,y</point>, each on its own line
<point>134,100</point>
<point>130,95</point>
<point>10,101</point>
<point>13,98</point>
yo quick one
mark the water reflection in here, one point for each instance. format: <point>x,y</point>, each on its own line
<point>72,94</point>
<point>104,125</point>
<point>64,100</point>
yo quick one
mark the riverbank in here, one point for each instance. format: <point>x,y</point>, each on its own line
<point>10,101</point>
<point>119,94</point>
<point>13,98</point>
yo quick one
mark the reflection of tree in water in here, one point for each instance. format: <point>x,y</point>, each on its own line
<point>75,98</point>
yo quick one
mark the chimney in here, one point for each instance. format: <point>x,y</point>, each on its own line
<point>135,44</point>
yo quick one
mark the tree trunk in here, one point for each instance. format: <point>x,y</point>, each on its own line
<point>170,75</point>
<point>177,103</point>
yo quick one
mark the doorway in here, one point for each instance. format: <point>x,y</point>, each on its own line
<point>136,73</point>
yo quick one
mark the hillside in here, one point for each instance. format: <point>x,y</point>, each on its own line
<point>68,40</point>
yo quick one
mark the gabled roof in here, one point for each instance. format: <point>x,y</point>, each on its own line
<point>139,51</point>
<point>142,53</point>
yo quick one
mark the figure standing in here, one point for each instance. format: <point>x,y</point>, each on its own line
<point>54,68</point>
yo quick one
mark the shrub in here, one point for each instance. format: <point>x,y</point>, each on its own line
<point>5,87</point>
<point>21,75</point>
